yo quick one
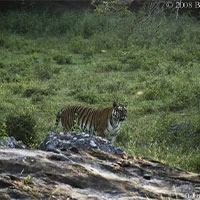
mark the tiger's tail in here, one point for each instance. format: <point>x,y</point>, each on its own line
<point>58,117</point>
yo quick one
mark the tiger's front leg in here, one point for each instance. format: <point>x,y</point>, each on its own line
<point>100,133</point>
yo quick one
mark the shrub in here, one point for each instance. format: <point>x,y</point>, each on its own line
<point>79,45</point>
<point>92,23</point>
<point>15,72</point>
<point>37,94</point>
<point>63,59</point>
<point>141,58</point>
<point>109,66</point>
<point>23,128</point>
<point>89,97</point>
<point>2,42</point>
<point>37,91</point>
<point>2,129</point>
<point>45,71</point>
<point>194,163</point>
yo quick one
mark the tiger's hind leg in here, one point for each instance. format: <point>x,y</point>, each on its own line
<point>58,117</point>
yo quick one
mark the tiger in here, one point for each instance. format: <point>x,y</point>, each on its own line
<point>104,122</point>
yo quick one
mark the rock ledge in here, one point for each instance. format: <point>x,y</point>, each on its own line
<point>74,173</point>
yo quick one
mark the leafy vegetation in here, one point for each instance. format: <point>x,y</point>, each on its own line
<point>22,127</point>
<point>49,60</point>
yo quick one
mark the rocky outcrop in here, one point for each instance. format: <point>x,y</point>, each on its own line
<point>73,173</point>
<point>59,141</point>
<point>11,142</point>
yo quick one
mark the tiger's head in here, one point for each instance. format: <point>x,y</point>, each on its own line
<point>120,111</point>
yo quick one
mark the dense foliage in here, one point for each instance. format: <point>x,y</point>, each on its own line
<point>49,60</point>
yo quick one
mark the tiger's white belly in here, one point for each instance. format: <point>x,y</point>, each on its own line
<point>111,131</point>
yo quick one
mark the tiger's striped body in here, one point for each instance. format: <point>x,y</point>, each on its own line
<point>102,122</point>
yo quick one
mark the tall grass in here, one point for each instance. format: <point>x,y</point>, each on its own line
<point>49,60</point>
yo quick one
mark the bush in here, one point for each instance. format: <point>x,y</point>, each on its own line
<point>2,129</point>
<point>63,59</point>
<point>79,45</point>
<point>37,94</point>
<point>109,66</point>
<point>89,97</point>
<point>23,128</point>
<point>37,91</point>
<point>194,163</point>
<point>15,72</point>
<point>45,71</point>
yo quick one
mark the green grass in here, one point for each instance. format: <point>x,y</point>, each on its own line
<point>49,60</point>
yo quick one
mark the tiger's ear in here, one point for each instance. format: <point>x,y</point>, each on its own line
<point>126,104</point>
<point>114,104</point>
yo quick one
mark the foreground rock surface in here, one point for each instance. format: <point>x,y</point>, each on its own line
<point>69,175</point>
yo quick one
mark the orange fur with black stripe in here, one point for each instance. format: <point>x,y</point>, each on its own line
<point>101,122</point>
